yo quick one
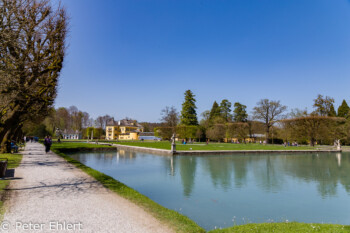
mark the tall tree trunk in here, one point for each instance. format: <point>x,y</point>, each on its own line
<point>267,135</point>
<point>10,125</point>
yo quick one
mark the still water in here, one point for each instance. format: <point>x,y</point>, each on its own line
<point>221,191</point>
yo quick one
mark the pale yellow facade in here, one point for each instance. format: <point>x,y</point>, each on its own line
<point>236,140</point>
<point>123,132</point>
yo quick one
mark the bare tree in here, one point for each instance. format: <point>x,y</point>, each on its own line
<point>99,122</point>
<point>170,116</point>
<point>32,49</point>
<point>269,112</point>
<point>85,119</point>
<point>324,105</point>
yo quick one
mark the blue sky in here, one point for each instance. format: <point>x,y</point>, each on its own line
<point>133,58</point>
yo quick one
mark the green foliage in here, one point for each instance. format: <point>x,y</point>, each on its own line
<point>39,131</point>
<point>315,128</point>
<point>188,113</point>
<point>97,132</point>
<point>238,130</point>
<point>217,132</point>
<point>214,112</point>
<point>225,110</point>
<point>163,132</point>
<point>343,110</point>
<point>186,132</point>
<point>332,112</point>
<point>240,113</point>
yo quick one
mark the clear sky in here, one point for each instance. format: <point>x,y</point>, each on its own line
<point>132,58</point>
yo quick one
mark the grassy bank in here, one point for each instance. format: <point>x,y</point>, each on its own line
<point>79,146</point>
<point>292,227</point>
<point>176,221</point>
<point>214,146</point>
<point>13,161</point>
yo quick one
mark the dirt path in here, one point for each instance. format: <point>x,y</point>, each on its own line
<point>50,194</point>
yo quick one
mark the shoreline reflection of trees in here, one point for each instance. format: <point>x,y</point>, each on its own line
<point>270,172</point>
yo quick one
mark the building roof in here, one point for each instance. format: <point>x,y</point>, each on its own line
<point>71,131</point>
<point>124,122</point>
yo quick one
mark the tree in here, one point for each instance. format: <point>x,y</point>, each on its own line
<point>164,132</point>
<point>240,113</point>
<point>187,131</point>
<point>32,49</point>
<point>215,112</point>
<point>86,120</point>
<point>323,105</point>
<point>170,117</point>
<point>188,113</point>
<point>332,112</point>
<point>101,121</point>
<point>225,110</point>
<point>314,127</point>
<point>217,132</point>
<point>269,112</point>
<point>343,109</point>
<point>205,119</point>
<point>238,130</point>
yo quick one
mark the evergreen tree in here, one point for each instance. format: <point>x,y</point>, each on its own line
<point>214,112</point>
<point>188,113</point>
<point>225,109</point>
<point>240,113</point>
<point>343,109</point>
<point>332,112</point>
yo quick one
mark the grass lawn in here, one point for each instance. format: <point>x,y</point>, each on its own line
<point>13,161</point>
<point>292,227</point>
<point>214,146</point>
<point>76,145</point>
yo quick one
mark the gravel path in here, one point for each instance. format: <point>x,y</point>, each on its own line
<point>51,195</point>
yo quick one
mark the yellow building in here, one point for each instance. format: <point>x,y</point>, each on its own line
<point>123,130</point>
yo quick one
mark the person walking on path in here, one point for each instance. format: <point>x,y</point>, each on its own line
<point>47,143</point>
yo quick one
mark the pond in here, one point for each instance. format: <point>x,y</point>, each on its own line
<point>225,190</point>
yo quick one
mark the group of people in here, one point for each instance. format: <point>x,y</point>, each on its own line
<point>31,139</point>
<point>291,144</point>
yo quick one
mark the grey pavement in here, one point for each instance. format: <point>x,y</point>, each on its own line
<point>50,195</point>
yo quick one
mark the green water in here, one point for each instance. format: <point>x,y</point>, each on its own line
<point>220,191</point>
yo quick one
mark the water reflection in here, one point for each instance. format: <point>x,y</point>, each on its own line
<point>188,173</point>
<point>255,187</point>
<point>270,172</point>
